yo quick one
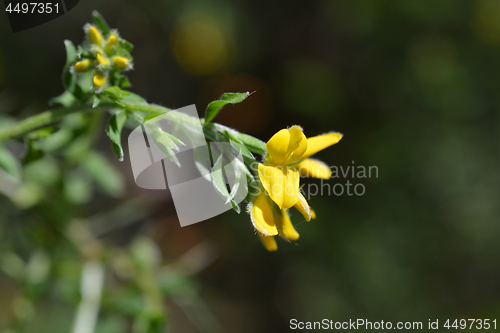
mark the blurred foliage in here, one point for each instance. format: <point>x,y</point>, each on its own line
<point>414,86</point>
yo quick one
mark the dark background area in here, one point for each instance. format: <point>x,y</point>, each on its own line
<point>413,86</point>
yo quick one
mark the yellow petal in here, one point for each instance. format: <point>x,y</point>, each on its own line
<point>285,226</point>
<point>95,36</point>
<point>303,207</point>
<point>277,146</point>
<point>314,168</point>
<point>320,142</point>
<point>286,144</point>
<point>292,183</point>
<point>313,214</point>
<point>281,183</point>
<point>297,145</point>
<point>269,242</point>
<point>99,80</point>
<point>262,217</point>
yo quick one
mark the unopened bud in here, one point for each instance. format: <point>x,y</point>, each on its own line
<point>112,41</point>
<point>99,80</point>
<point>83,66</point>
<point>102,60</point>
<point>95,36</point>
<point>121,62</point>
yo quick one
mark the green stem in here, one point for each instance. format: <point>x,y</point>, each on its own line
<point>45,118</point>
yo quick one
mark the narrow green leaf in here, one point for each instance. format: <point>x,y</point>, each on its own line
<point>255,145</point>
<point>153,116</point>
<point>104,174</point>
<point>100,22</point>
<point>203,163</point>
<point>170,154</point>
<point>236,207</point>
<point>114,131</point>
<point>234,98</point>
<point>124,82</point>
<point>9,163</point>
<point>66,99</point>
<point>115,92</point>
<point>226,98</point>
<point>33,152</point>
<point>68,78</point>
<point>218,178</point>
<point>126,45</point>
<point>76,188</point>
<point>131,97</point>
<point>97,101</point>
<point>163,139</point>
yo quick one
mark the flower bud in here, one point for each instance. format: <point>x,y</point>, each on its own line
<point>99,80</point>
<point>83,66</point>
<point>102,60</point>
<point>121,62</point>
<point>112,41</point>
<point>95,36</point>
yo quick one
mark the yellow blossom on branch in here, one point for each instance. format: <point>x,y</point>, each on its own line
<point>287,159</point>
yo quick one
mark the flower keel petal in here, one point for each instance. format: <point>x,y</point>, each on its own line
<point>269,243</point>
<point>303,207</point>
<point>261,214</point>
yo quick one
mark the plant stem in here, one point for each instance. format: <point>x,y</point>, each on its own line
<point>45,118</point>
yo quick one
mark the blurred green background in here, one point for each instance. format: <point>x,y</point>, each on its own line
<point>414,86</point>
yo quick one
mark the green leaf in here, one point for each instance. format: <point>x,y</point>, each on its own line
<point>163,139</point>
<point>236,207</point>
<point>131,97</point>
<point>226,98</point>
<point>33,152</point>
<point>153,115</point>
<point>76,187</point>
<point>66,99</point>
<point>114,131</point>
<point>255,145</point>
<point>100,22</point>
<point>218,178</point>
<point>126,45</point>
<point>97,101</point>
<point>104,174</point>
<point>124,82</point>
<point>9,163</point>
<point>203,163</point>
<point>68,78</point>
<point>234,98</point>
<point>115,92</point>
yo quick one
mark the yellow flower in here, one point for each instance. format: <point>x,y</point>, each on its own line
<point>288,158</point>
<point>95,36</point>
<point>99,80</point>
